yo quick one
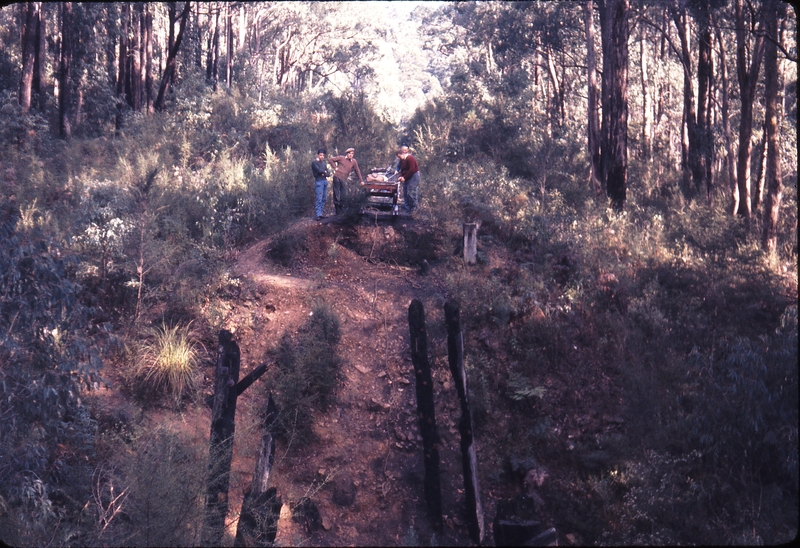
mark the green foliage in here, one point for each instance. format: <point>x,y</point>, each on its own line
<point>308,372</point>
<point>168,363</point>
<point>47,358</point>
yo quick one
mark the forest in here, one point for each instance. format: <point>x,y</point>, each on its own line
<point>627,298</point>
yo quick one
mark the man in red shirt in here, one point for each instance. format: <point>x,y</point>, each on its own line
<point>343,165</point>
<point>409,176</point>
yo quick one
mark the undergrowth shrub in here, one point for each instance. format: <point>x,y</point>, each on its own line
<point>151,493</point>
<point>107,220</point>
<point>744,407</point>
<point>308,371</point>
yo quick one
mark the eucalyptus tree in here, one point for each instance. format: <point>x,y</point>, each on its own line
<point>614,128</point>
<point>516,69</point>
<point>301,46</point>
<point>691,18</point>
<point>749,54</point>
<point>33,74</point>
<point>65,71</point>
<point>697,157</point>
<point>172,63</point>
<point>775,20</point>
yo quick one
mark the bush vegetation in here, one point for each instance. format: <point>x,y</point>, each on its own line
<point>670,307</point>
<point>307,374</point>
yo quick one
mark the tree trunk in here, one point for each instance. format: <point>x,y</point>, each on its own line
<point>30,10</point>
<point>40,64</point>
<point>726,125</point>
<point>705,77</point>
<point>758,170</point>
<point>469,459</point>
<point>223,425</point>
<point>77,118</point>
<point>228,46</point>
<point>242,29</point>
<point>136,58</point>
<point>773,69</point>
<point>210,46</point>
<point>689,141</point>
<point>647,109</point>
<point>111,48</point>
<point>614,147</point>
<point>747,86</point>
<point>174,17</point>
<point>122,77</point>
<point>170,69</point>
<point>198,56</point>
<point>148,60</point>
<point>593,125</point>
<point>215,52</point>
<point>426,412</point>
<point>555,107</point>
<point>65,72</point>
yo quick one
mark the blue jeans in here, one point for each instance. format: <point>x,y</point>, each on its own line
<point>410,192</point>
<point>321,189</point>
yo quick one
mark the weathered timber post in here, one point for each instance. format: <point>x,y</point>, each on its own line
<point>223,417</point>
<point>258,520</point>
<point>471,242</point>
<point>426,413</point>
<point>469,459</point>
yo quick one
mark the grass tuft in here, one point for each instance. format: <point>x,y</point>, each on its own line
<point>168,362</point>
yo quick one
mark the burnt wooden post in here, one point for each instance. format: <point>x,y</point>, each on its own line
<point>471,242</point>
<point>425,412</point>
<point>469,460</point>
<point>223,424</point>
<point>258,520</point>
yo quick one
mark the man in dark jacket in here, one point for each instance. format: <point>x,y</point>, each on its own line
<point>343,166</point>
<point>319,168</point>
<point>409,176</point>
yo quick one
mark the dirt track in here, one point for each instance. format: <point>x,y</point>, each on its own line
<point>371,438</point>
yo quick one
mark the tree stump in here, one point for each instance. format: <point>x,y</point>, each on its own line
<point>223,423</point>
<point>469,459</point>
<point>223,414</point>
<point>426,412</point>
